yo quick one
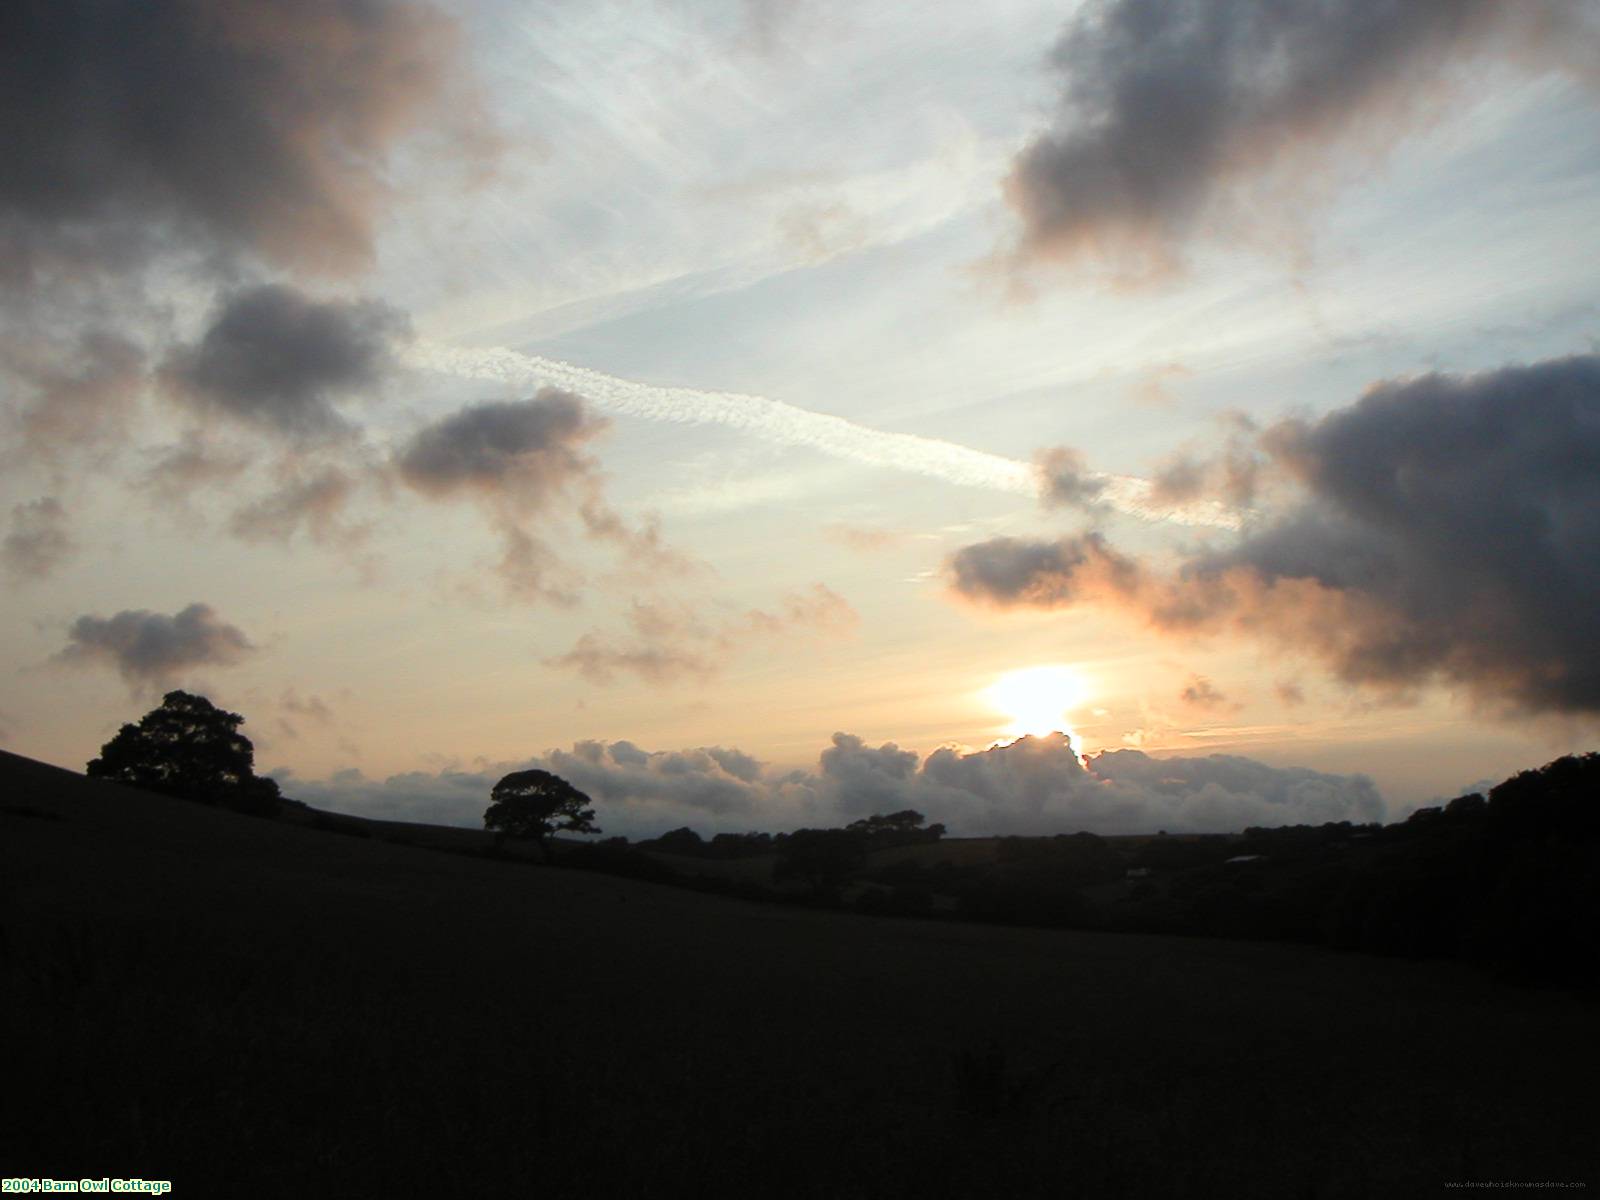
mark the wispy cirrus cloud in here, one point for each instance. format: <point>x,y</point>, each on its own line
<point>790,425</point>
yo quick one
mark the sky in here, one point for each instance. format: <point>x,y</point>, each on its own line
<point>1109,416</point>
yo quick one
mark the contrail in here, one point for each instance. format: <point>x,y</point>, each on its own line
<point>789,425</point>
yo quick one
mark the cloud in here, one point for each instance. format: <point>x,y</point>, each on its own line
<point>294,708</point>
<point>1169,111</point>
<point>1017,572</point>
<point>313,501</point>
<point>601,660</point>
<point>818,608</point>
<point>1065,480</point>
<point>1034,785</point>
<point>152,648</point>
<point>860,779</point>
<point>520,453</point>
<point>448,797</point>
<point>279,360</point>
<point>1234,473</point>
<point>1200,692</point>
<point>1039,785</point>
<point>312,707</point>
<point>1443,529</point>
<point>197,461</point>
<point>154,144</point>
<point>70,394</point>
<point>790,425</point>
<point>236,124</point>
<point>712,781</point>
<point>38,542</point>
<point>863,538</point>
<point>518,458</point>
<point>672,643</point>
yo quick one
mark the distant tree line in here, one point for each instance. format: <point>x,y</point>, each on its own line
<point>877,832</point>
<point>1510,881</point>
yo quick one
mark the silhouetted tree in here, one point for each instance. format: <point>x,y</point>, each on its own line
<point>191,749</point>
<point>897,829</point>
<point>535,804</point>
<point>679,841</point>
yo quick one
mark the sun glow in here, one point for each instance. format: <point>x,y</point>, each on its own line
<point>1037,699</point>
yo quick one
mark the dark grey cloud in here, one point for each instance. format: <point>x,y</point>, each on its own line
<point>278,359</point>
<point>672,643</point>
<point>1444,528</point>
<point>1034,785</point>
<point>148,141</point>
<point>520,452</point>
<point>149,648</point>
<point>517,459</point>
<point>39,540</point>
<point>1065,480</point>
<point>1012,572</point>
<point>232,124</point>
<point>1167,107</point>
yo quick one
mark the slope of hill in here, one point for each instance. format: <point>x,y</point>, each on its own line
<point>237,1005</point>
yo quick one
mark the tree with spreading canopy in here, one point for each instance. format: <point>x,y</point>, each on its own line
<point>901,828</point>
<point>191,749</point>
<point>535,804</point>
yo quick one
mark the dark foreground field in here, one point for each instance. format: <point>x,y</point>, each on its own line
<point>248,1007</point>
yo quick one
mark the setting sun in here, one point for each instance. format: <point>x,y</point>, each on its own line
<point>1037,699</point>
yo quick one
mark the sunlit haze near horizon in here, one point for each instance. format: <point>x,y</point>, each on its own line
<point>766,415</point>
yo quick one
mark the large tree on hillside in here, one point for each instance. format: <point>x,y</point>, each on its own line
<point>188,748</point>
<point>535,804</point>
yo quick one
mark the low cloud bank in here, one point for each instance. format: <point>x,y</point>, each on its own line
<point>1036,785</point>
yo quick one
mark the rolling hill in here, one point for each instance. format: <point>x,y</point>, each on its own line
<point>240,1005</point>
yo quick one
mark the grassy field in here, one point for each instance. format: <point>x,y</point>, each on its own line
<point>241,1006</point>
